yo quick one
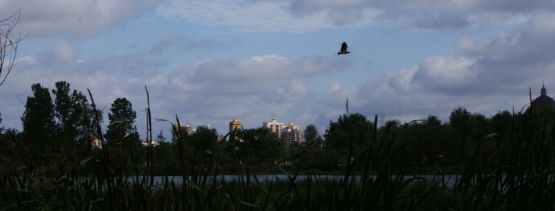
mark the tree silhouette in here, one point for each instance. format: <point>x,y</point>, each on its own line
<point>122,134</point>
<point>311,137</point>
<point>38,118</point>
<point>74,120</point>
<point>39,126</point>
<point>121,122</point>
<point>459,120</point>
<point>205,144</point>
<point>352,131</point>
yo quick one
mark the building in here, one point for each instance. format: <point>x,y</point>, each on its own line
<point>206,127</point>
<point>543,101</point>
<point>291,134</point>
<point>188,128</point>
<point>234,125</point>
<point>274,126</point>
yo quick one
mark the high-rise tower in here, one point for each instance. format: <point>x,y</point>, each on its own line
<point>234,126</point>
<point>274,126</point>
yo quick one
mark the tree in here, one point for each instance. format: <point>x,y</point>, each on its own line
<point>8,45</point>
<point>65,124</point>
<point>204,144</point>
<point>428,142</point>
<point>311,137</point>
<point>479,126</point>
<point>83,117</point>
<point>433,121</point>
<point>122,133</point>
<point>311,155</point>
<point>167,159</point>
<point>39,127</point>
<point>459,120</point>
<point>350,132</point>
<point>62,102</point>
<point>74,120</point>
<point>501,121</point>
<point>74,114</point>
<point>121,128</point>
<point>38,118</point>
<point>260,142</point>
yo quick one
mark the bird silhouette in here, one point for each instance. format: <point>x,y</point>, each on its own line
<point>343,49</point>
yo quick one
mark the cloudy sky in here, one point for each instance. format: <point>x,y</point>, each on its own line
<point>212,61</point>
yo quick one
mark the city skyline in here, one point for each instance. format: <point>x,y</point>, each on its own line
<point>281,131</point>
<point>212,61</point>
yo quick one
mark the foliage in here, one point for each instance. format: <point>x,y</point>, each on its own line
<point>123,137</point>
<point>311,137</point>
<point>471,162</point>
<point>349,135</point>
<point>39,126</point>
<point>258,143</point>
<point>121,128</point>
<point>204,144</point>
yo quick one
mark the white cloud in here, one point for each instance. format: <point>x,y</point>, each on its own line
<point>255,74</point>
<point>25,59</point>
<point>541,23</point>
<point>79,18</point>
<point>448,70</point>
<point>65,51</point>
<point>309,15</point>
<point>89,17</point>
<point>260,15</point>
<point>335,87</point>
<point>484,75</point>
<point>210,91</point>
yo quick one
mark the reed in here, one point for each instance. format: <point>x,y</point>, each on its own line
<point>370,181</point>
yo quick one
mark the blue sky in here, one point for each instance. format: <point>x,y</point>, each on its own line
<point>212,61</point>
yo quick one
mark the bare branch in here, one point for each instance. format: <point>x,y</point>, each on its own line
<point>8,45</point>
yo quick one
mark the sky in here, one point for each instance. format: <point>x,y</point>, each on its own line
<point>212,61</point>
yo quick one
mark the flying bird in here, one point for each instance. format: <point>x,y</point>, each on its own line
<point>343,49</point>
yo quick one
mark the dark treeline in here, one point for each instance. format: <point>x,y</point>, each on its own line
<point>62,161</point>
<point>59,134</point>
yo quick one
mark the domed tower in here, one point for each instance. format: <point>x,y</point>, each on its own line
<point>543,101</point>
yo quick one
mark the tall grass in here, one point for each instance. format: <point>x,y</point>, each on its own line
<point>370,181</point>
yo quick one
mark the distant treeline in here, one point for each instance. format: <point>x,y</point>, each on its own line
<point>59,129</point>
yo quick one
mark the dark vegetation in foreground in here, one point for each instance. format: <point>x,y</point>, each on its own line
<point>502,162</point>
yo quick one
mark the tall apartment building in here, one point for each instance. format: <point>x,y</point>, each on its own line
<point>234,125</point>
<point>274,126</point>
<point>292,134</point>
<point>287,132</point>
